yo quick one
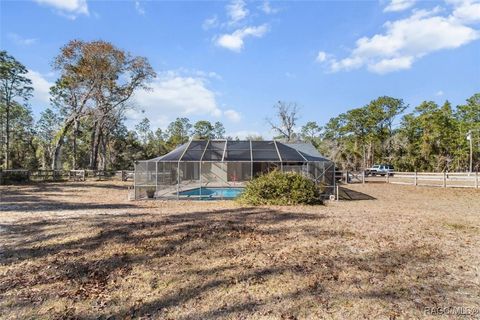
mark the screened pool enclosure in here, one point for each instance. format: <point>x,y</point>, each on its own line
<point>218,169</point>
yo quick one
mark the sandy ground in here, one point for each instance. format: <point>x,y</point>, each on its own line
<point>83,251</point>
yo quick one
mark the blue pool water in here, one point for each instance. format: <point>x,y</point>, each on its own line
<point>212,193</point>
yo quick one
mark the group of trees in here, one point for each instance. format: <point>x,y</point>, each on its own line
<point>151,143</point>
<point>88,102</point>
<point>84,125</point>
<point>432,137</point>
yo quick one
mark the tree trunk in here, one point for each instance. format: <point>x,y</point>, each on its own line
<point>104,151</point>
<point>372,160</point>
<point>56,152</point>
<point>59,143</point>
<point>92,142</point>
<point>368,156</point>
<point>364,157</point>
<point>96,135</point>
<point>7,136</point>
<point>75,133</point>
<point>44,158</point>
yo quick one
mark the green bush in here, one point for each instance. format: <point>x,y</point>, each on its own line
<point>279,188</point>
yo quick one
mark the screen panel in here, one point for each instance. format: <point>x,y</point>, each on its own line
<point>238,145</point>
<point>214,151</point>
<point>264,151</point>
<point>175,154</point>
<point>238,151</point>
<point>195,151</point>
<point>197,145</point>
<point>289,154</point>
<point>313,158</point>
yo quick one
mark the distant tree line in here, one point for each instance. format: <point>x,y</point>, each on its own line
<point>432,137</point>
<point>84,125</point>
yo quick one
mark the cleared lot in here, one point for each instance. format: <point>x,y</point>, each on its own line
<point>82,250</point>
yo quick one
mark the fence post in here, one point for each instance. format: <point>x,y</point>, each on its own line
<point>476,179</point>
<point>134,180</point>
<point>363,177</point>
<point>415,179</point>
<point>444,179</point>
<point>346,177</point>
<point>337,192</point>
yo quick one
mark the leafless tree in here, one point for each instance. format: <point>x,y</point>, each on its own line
<point>286,116</point>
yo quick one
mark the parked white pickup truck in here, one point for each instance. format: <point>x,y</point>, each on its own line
<point>380,169</point>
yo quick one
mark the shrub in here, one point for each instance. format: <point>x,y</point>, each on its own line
<point>279,188</point>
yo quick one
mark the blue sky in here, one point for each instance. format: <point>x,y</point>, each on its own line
<point>232,60</point>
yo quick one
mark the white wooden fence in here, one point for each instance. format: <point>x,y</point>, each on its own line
<point>436,179</point>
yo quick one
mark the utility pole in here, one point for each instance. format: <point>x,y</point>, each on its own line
<point>470,139</point>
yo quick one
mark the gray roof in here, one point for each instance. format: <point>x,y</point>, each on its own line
<point>308,149</point>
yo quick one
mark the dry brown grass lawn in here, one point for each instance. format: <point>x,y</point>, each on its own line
<point>81,250</point>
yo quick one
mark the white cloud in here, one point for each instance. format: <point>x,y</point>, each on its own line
<point>466,11</point>
<point>399,5</point>
<point>19,40</point>
<point>235,40</point>
<point>236,25</point>
<point>237,11</point>
<point>179,93</point>
<point>210,23</point>
<point>204,75</point>
<point>389,65</point>
<point>267,8</point>
<point>41,86</point>
<point>232,115</point>
<point>439,93</point>
<point>139,8</point>
<point>321,56</point>
<point>69,8</point>
<point>407,40</point>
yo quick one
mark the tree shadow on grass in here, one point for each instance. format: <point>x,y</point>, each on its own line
<point>57,206</point>
<point>28,200</point>
<point>100,185</point>
<point>175,229</point>
<point>327,272</point>
<point>164,245</point>
<point>353,195</point>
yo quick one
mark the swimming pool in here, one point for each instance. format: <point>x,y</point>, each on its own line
<point>206,193</point>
